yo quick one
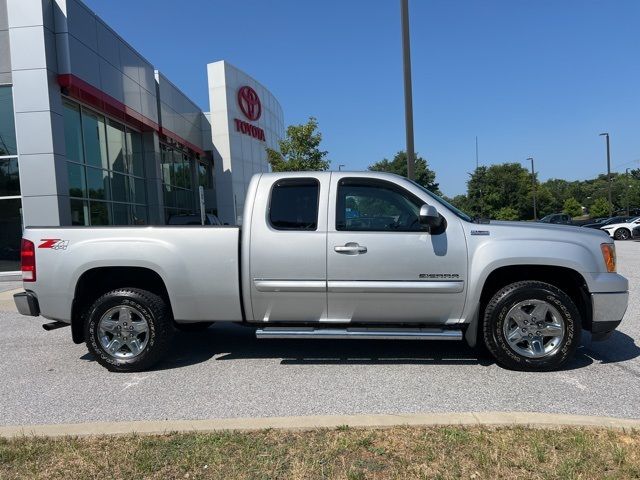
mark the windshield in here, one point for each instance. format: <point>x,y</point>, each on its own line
<point>455,210</point>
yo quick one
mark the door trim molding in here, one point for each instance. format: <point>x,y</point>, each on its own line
<point>367,286</point>
<point>264,285</point>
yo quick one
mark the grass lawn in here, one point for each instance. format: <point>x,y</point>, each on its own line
<point>349,453</point>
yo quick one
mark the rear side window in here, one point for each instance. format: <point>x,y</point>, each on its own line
<point>294,204</point>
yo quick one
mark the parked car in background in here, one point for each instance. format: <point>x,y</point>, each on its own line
<point>557,218</point>
<point>190,219</point>
<point>579,222</point>
<point>622,231</point>
<point>634,212</point>
<point>608,221</point>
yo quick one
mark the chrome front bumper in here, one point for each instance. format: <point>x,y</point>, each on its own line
<point>608,310</point>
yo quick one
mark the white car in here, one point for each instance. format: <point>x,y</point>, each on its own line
<point>622,231</point>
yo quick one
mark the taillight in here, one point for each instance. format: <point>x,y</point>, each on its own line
<point>28,260</point>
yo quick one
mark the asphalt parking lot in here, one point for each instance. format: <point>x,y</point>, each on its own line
<point>226,372</point>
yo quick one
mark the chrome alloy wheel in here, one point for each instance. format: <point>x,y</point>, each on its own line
<point>123,332</point>
<point>534,328</point>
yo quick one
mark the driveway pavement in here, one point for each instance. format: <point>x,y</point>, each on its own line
<point>225,372</point>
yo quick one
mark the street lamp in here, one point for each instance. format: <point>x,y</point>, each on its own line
<point>533,180</point>
<point>408,95</point>
<point>340,167</point>
<point>606,135</point>
<point>628,188</point>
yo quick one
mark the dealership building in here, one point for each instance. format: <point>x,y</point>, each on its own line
<point>92,134</point>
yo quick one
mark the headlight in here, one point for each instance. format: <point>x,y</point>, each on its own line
<point>609,255</point>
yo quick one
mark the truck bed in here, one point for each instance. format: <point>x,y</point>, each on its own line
<point>199,265</point>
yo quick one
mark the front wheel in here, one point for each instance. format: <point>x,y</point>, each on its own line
<point>531,326</point>
<point>128,329</point>
<point>622,234</point>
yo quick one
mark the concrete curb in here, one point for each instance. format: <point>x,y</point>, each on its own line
<point>535,420</point>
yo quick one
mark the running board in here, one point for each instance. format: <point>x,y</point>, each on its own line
<point>360,333</point>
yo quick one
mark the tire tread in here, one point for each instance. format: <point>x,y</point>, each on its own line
<point>163,325</point>
<point>553,363</point>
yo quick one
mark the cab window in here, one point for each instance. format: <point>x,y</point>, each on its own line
<point>373,205</point>
<point>294,204</point>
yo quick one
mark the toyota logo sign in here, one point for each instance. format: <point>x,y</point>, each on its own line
<point>249,103</point>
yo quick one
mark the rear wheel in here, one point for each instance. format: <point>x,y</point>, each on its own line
<point>622,234</point>
<point>532,326</point>
<point>128,329</point>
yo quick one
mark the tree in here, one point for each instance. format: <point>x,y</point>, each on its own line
<point>572,207</point>
<point>600,208</point>
<point>493,188</point>
<point>299,150</point>
<point>424,175</point>
<point>459,201</point>
<point>507,213</point>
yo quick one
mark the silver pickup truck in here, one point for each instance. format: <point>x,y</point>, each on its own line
<point>329,255</point>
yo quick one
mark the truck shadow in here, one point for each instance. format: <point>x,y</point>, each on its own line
<point>233,342</point>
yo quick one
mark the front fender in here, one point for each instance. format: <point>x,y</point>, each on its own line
<point>491,255</point>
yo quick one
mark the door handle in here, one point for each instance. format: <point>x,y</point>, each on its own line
<point>350,248</point>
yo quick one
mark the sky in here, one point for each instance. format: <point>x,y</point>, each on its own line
<point>529,78</point>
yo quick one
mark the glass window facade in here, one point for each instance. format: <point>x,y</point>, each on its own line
<point>7,123</point>
<point>205,179</point>
<point>177,182</point>
<point>10,200</point>
<point>9,177</point>
<point>10,234</point>
<point>105,168</point>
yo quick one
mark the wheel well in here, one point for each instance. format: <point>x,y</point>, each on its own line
<point>566,279</point>
<point>98,281</point>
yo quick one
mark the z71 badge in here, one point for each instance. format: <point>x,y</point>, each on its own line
<point>54,243</point>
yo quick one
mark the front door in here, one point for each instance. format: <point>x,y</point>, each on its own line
<point>382,266</point>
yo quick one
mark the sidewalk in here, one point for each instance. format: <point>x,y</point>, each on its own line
<point>7,289</point>
<point>535,420</point>
<point>6,285</point>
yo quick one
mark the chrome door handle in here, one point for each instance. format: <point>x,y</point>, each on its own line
<point>350,248</point>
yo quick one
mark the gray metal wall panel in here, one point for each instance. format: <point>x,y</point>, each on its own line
<point>108,44</point>
<point>5,57</point>
<point>179,114</point>
<point>82,24</point>
<point>4,22</point>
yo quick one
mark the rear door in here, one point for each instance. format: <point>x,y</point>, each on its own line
<point>288,256</point>
<point>382,266</point>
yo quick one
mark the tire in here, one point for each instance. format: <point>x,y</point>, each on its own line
<point>193,327</point>
<point>142,336</point>
<point>622,234</point>
<point>542,343</point>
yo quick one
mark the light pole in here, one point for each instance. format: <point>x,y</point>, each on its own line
<point>533,180</point>
<point>340,167</point>
<point>408,95</point>
<point>606,135</point>
<point>628,188</point>
<point>479,180</point>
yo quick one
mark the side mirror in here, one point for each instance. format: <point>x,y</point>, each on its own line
<point>429,216</point>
